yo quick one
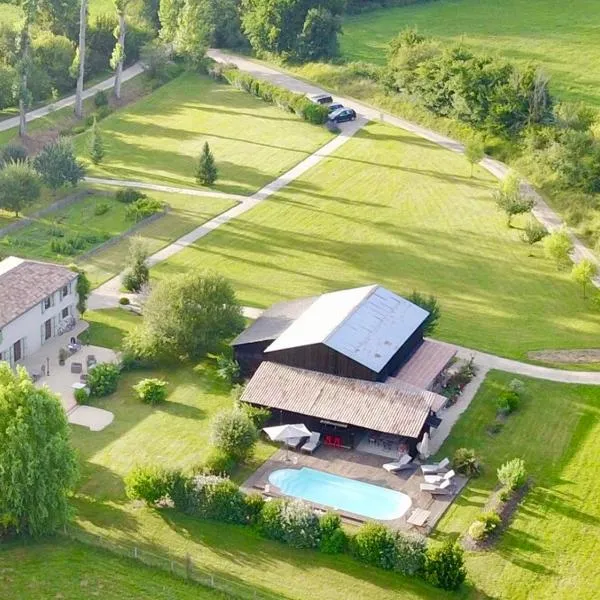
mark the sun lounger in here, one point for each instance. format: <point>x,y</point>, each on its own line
<point>403,463</point>
<point>437,479</point>
<point>444,489</point>
<point>436,468</point>
<point>313,443</point>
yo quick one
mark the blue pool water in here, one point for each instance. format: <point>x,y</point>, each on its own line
<point>341,493</point>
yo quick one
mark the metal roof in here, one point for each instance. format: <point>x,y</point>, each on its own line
<point>273,322</point>
<point>25,283</point>
<point>395,409</point>
<point>424,366</point>
<point>367,324</point>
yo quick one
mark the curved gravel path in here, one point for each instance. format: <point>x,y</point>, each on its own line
<point>542,212</point>
<point>38,113</point>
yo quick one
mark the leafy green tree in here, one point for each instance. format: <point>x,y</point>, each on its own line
<point>96,144</point>
<point>57,165</point>
<point>206,173</point>
<point>137,274</point>
<point>7,84</point>
<point>19,186</point>
<point>38,467</point>
<point>59,17</point>
<point>187,316</point>
<point>584,272</point>
<point>510,200</point>
<point>168,15</point>
<point>557,247</point>
<point>431,305</point>
<point>474,152</point>
<point>54,54</point>
<point>78,65</point>
<point>193,33</point>
<point>534,232</point>
<point>233,433</point>
<point>292,28</point>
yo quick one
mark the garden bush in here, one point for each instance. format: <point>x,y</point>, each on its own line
<point>466,462</point>
<point>102,379</point>
<point>148,483</point>
<point>512,474</point>
<point>290,521</point>
<point>233,433</point>
<point>102,112</point>
<point>254,506</point>
<point>129,195</point>
<point>374,544</point>
<point>517,386</point>
<point>507,402</point>
<point>219,462</point>
<point>410,553</point>
<point>219,499</point>
<point>151,390</point>
<point>12,153</point>
<point>490,521</point>
<point>124,301</point>
<point>257,414</point>
<point>101,99</point>
<point>143,208</point>
<point>101,208</point>
<point>445,566</point>
<point>81,396</point>
<point>477,530</point>
<point>333,537</point>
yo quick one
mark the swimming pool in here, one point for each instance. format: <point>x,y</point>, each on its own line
<point>341,493</point>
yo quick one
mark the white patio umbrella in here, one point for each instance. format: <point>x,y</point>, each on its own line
<point>424,446</point>
<point>283,433</point>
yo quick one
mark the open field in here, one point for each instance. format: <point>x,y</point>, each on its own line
<point>72,571</point>
<point>394,209</point>
<point>160,138</point>
<point>560,36</point>
<point>549,550</point>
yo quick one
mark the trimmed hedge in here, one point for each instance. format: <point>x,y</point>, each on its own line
<point>290,101</point>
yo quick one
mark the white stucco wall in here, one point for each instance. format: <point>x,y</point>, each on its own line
<point>29,325</point>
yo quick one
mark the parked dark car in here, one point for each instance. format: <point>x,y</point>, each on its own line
<point>335,106</point>
<point>342,115</point>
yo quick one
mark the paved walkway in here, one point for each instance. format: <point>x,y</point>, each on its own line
<point>156,187</point>
<point>38,113</point>
<point>107,295</point>
<point>542,212</point>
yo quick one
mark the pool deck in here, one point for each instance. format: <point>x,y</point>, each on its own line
<point>363,467</point>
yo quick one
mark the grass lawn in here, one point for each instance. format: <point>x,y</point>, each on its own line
<point>71,571</point>
<point>159,139</point>
<point>394,209</point>
<point>549,551</point>
<point>560,36</point>
<point>185,213</point>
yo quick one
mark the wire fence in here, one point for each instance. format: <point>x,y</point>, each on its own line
<point>186,568</point>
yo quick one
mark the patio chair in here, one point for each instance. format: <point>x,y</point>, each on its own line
<point>90,360</point>
<point>444,489</point>
<point>436,467</point>
<point>403,463</point>
<point>440,478</point>
<point>313,443</point>
<point>76,367</point>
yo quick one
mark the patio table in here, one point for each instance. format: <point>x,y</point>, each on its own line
<point>419,517</point>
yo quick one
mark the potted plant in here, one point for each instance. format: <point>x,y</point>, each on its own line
<point>62,356</point>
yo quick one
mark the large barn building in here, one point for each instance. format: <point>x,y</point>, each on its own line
<point>364,333</point>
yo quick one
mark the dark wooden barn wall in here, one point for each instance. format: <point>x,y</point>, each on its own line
<point>249,356</point>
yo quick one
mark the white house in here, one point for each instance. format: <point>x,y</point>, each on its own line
<point>37,301</point>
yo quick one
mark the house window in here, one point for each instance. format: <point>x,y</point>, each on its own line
<point>64,291</point>
<point>65,312</point>
<point>47,302</point>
